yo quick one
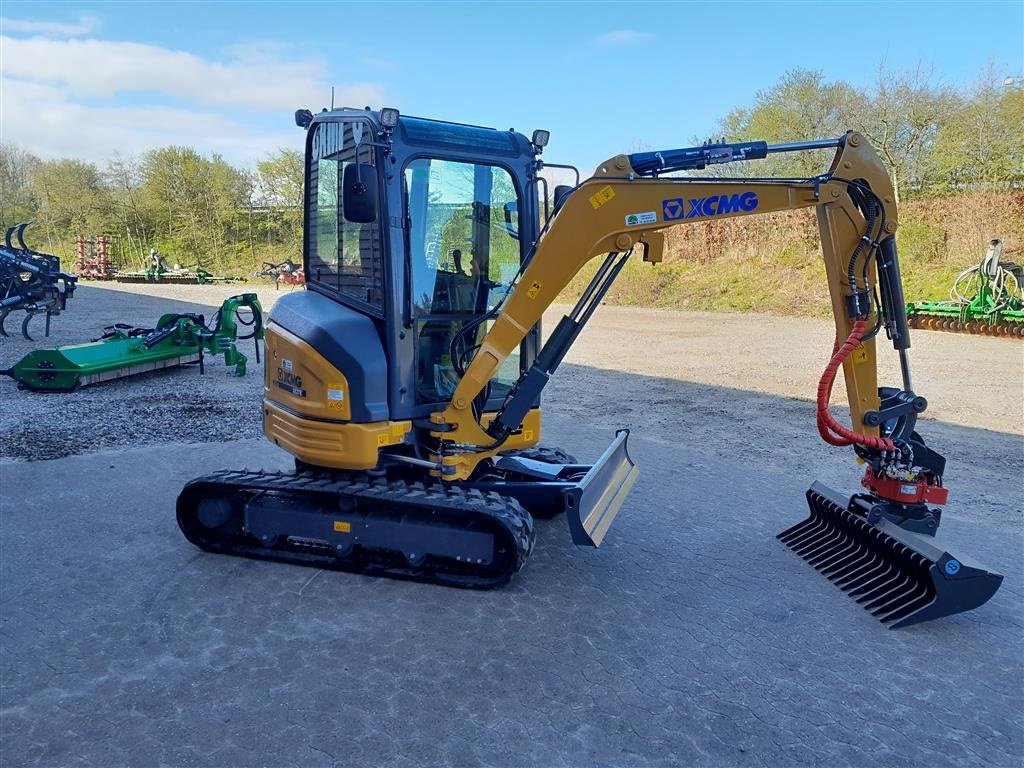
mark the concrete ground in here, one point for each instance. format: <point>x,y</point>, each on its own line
<point>691,636</point>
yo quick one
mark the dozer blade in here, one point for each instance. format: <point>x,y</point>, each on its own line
<point>899,576</point>
<point>592,504</point>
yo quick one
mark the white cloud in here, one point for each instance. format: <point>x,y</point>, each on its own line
<point>623,37</point>
<point>89,98</point>
<point>104,69</point>
<point>84,26</point>
<point>44,120</point>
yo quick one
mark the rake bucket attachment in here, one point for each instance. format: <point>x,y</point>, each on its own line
<point>899,576</point>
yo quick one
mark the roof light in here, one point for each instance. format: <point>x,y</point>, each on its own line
<point>389,117</point>
<point>540,138</point>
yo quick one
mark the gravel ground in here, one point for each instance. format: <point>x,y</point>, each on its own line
<point>691,637</point>
<point>175,405</point>
<point>737,386</point>
<point>726,361</point>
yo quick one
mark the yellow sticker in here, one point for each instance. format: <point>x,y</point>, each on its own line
<point>601,197</point>
<point>860,354</point>
<point>527,434</point>
<point>335,396</point>
<point>398,430</point>
<point>534,289</point>
<point>342,527</point>
<point>382,440</point>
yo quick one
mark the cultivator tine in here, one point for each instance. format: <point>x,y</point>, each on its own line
<point>898,576</point>
<point>19,233</point>
<point>24,325</point>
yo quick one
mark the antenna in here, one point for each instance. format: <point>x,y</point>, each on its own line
<point>332,98</point>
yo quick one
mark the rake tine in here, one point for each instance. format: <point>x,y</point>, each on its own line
<point>900,577</point>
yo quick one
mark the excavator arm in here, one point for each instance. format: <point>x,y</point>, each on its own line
<point>872,545</point>
<point>626,206</point>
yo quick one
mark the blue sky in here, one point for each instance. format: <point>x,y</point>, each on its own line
<point>88,79</point>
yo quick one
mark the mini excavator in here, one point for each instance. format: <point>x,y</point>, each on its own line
<point>406,378</point>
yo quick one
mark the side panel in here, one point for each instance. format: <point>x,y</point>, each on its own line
<point>334,444</point>
<point>316,339</point>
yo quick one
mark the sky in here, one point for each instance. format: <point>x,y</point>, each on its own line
<point>89,79</point>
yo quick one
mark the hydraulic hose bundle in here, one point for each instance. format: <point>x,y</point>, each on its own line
<point>831,431</point>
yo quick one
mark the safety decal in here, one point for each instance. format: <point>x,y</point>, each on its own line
<point>534,289</point>
<point>335,397</point>
<point>650,217</point>
<point>860,354</point>
<point>601,197</point>
<point>340,526</point>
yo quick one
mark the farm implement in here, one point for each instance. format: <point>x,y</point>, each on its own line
<point>123,350</point>
<point>159,272</point>
<point>986,299</point>
<point>30,281</point>
<point>92,258</point>
<point>287,272</point>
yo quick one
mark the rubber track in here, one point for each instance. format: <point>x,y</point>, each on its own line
<point>461,506</point>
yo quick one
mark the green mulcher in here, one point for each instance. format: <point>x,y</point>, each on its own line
<point>123,350</point>
<point>987,299</point>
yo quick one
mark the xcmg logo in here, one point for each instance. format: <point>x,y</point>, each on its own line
<point>677,208</point>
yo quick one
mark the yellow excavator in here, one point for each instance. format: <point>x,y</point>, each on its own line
<point>406,378</point>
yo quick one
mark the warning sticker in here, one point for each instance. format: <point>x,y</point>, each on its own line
<point>650,217</point>
<point>534,289</point>
<point>335,397</point>
<point>860,354</point>
<point>340,526</point>
<point>601,197</point>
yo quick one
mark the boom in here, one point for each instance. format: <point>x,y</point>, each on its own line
<point>624,206</point>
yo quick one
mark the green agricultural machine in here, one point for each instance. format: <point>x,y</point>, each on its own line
<point>177,339</point>
<point>986,299</point>
<point>159,272</point>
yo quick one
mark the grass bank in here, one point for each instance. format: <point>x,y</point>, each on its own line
<point>773,264</point>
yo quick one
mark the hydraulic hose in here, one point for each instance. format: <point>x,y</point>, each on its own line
<point>831,431</point>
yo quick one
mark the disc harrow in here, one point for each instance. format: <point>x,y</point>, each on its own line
<point>987,300</point>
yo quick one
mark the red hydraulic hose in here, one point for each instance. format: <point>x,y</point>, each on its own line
<point>831,431</point>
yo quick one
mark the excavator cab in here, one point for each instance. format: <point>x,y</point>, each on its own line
<point>416,232</point>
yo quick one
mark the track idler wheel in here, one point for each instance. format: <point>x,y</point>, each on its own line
<point>899,576</point>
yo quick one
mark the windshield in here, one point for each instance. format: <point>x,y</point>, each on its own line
<point>464,254</point>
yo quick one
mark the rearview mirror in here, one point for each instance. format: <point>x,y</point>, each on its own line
<point>512,218</point>
<point>359,193</point>
<point>562,192</point>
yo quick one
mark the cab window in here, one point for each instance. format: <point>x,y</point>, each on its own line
<point>344,256</point>
<point>464,254</point>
